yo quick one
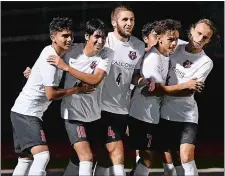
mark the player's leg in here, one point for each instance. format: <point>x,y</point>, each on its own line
<point>78,138</point>
<point>24,160</point>
<point>164,138</point>
<point>169,164</point>
<point>30,134</point>
<point>142,138</point>
<point>187,148</point>
<point>114,127</point>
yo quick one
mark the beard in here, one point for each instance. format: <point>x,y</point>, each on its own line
<point>122,33</point>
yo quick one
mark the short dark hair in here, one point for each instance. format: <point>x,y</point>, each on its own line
<point>58,24</point>
<point>167,25</point>
<point>148,28</point>
<point>95,25</point>
<point>118,8</point>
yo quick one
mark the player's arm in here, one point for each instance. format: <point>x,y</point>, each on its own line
<point>54,93</point>
<point>92,79</point>
<point>51,83</point>
<point>184,89</point>
<point>139,80</point>
<point>152,68</point>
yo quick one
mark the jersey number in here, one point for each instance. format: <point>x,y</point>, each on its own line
<point>118,78</point>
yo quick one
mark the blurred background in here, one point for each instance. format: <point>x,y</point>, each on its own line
<point>25,33</point>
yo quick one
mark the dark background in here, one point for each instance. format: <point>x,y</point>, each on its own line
<point>25,33</point>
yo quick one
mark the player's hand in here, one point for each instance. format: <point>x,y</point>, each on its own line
<point>195,85</point>
<point>150,83</point>
<point>27,72</point>
<point>58,62</point>
<point>85,88</point>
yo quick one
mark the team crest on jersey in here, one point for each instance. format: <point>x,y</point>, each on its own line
<point>93,64</point>
<point>132,55</point>
<point>187,64</point>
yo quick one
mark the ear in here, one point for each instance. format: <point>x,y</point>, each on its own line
<point>87,36</point>
<point>191,30</point>
<point>145,39</point>
<point>52,37</point>
<point>113,23</point>
<point>159,38</point>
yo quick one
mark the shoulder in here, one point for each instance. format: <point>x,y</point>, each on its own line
<point>152,54</point>
<point>136,42</point>
<point>206,60</point>
<point>47,51</point>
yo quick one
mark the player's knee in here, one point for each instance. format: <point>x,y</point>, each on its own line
<point>187,153</point>
<point>117,156</point>
<point>39,149</point>
<point>86,157</point>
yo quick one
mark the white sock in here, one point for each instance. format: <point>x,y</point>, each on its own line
<point>179,170</point>
<point>117,170</point>
<point>22,167</point>
<point>137,158</point>
<point>101,171</point>
<point>169,170</point>
<point>85,168</point>
<point>190,168</point>
<point>141,170</point>
<point>39,164</point>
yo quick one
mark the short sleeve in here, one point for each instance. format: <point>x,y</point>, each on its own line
<point>203,71</point>
<point>151,67</point>
<point>49,73</point>
<point>106,60</point>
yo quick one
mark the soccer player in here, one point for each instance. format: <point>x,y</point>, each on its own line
<point>37,94</point>
<point>88,63</point>
<point>144,111</point>
<point>128,51</point>
<point>149,36</point>
<point>180,114</point>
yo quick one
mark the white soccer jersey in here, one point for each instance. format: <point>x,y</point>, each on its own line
<point>32,100</point>
<point>127,57</point>
<point>184,67</point>
<point>147,109</point>
<point>84,107</point>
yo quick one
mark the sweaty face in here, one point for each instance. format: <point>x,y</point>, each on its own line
<point>96,41</point>
<point>200,35</point>
<point>63,39</point>
<point>125,23</point>
<point>168,41</point>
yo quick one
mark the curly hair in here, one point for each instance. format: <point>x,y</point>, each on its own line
<point>215,39</point>
<point>167,25</point>
<point>58,24</point>
<point>148,28</point>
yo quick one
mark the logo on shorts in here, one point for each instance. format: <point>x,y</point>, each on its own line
<point>111,133</point>
<point>187,64</point>
<point>81,132</point>
<point>93,64</point>
<point>43,138</point>
<point>149,136</point>
<point>132,55</point>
